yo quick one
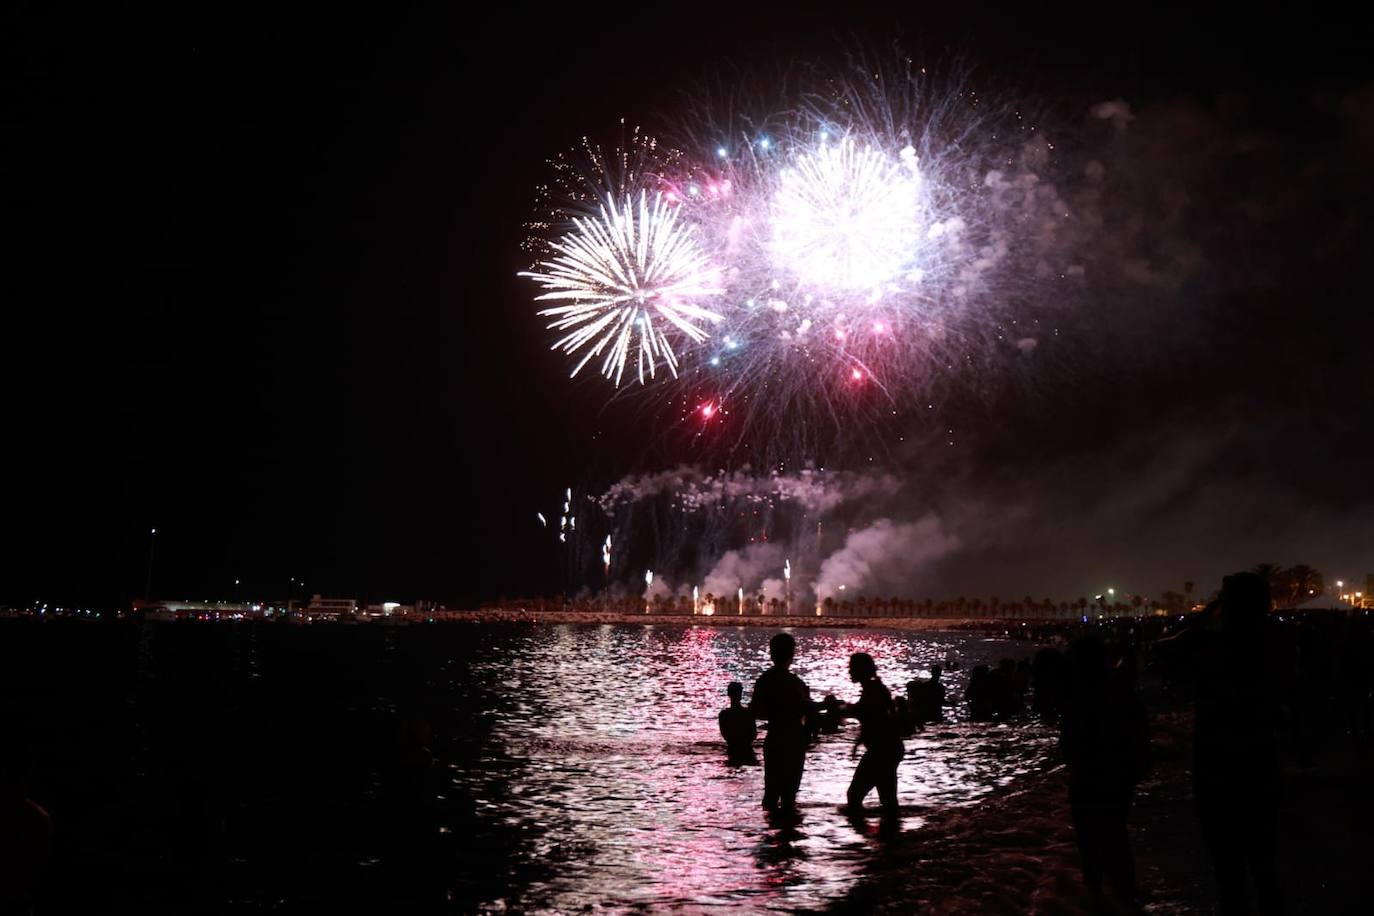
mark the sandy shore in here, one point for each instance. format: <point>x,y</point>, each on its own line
<point>1015,852</point>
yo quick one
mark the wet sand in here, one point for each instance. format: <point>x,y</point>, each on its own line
<point>1015,853</point>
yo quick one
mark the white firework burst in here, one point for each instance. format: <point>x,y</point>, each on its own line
<point>631,277</point>
<point>846,217</point>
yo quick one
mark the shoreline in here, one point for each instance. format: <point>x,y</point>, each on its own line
<point>1015,851</point>
<point>795,621</point>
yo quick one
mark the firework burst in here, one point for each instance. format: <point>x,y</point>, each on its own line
<point>626,279</point>
<point>847,217</point>
<point>802,267</point>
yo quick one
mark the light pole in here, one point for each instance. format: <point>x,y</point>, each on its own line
<point>148,582</point>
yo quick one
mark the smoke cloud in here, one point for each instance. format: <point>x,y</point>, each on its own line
<point>884,557</point>
<point>746,569</point>
<point>1193,397</point>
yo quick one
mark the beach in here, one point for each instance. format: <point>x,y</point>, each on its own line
<point>550,767</point>
<point>1015,853</point>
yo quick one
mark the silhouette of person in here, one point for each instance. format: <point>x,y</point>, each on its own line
<point>980,694</point>
<point>1047,683</point>
<point>1104,736</point>
<point>1237,775</point>
<point>828,716</point>
<point>1020,684</point>
<point>880,735</point>
<point>737,727</point>
<point>926,698</point>
<point>1003,696</point>
<point>25,833</point>
<point>935,695</point>
<point>901,709</point>
<point>782,700</point>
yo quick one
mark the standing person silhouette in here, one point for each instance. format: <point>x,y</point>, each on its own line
<point>784,701</point>
<point>1237,769</point>
<point>879,733</point>
<point>1105,739</point>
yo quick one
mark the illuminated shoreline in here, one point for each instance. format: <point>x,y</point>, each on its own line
<point>508,615</point>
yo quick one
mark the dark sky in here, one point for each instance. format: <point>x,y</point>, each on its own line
<point>262,293</point>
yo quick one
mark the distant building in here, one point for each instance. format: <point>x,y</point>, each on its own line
<point>390,609</point>
<point>331,608</point>
<point>318,608</point>
<point>198,610</point>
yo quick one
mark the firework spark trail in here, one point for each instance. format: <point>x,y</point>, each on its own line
<point>759,540</point>
<point>850,249</point>
<point>618,272</point>
<point>692,490</point>
<point>739,529</point>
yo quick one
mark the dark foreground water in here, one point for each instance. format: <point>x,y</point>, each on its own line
<point>260,768</point>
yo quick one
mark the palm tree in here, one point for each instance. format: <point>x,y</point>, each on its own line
<point>1303,580</point>
<point>1269,572</point>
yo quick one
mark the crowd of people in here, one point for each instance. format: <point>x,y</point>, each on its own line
<point>1252,678</point>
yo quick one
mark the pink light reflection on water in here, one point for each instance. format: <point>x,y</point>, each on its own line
<point>624,777</point>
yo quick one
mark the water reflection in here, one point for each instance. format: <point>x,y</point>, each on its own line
<point>603,757</point>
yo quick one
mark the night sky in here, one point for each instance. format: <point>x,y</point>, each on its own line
<point>262,294</point>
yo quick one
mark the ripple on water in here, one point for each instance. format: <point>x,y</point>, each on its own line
<point>613,778</point>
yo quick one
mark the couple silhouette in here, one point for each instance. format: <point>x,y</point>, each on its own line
<point>783,700</point>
